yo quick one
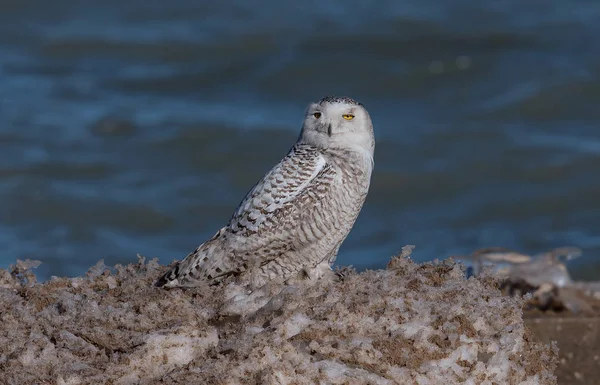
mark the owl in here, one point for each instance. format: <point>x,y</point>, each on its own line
<point>292,222</point>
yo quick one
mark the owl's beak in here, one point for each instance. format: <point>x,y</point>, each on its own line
<point>325,128</point>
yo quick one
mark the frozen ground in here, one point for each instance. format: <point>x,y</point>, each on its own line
<point>411,323</point>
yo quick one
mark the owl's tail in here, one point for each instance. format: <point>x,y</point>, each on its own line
<point>202,265</point>
<point>169,279</point>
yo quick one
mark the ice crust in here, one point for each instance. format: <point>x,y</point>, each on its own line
<point>408,324</point>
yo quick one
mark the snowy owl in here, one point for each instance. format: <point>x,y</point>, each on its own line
<point>293,221</point>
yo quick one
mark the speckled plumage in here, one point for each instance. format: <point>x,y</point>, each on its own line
<point>295,218</point>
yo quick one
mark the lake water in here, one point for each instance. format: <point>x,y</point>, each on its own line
<point>137,126</point>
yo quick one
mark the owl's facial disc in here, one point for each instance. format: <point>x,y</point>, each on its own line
<point>338,122</point>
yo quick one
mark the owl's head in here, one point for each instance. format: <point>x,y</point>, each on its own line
<point>338,122</point>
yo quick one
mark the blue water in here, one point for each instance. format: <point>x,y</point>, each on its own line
<point>137,127</point>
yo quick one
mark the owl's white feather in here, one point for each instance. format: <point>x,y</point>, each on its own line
<point>295,218</point>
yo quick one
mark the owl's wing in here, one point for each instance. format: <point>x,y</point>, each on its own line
<point>296,183</point>
<point>267,222</point>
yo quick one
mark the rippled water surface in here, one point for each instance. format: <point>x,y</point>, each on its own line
<point>136,127</point>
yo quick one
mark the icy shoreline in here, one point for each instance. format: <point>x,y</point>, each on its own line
<point>411,323</point>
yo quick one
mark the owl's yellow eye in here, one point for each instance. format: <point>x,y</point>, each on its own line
<point>317,115</point>
<point>348,116</point>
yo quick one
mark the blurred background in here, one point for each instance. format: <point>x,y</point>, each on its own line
<point>138,126</point>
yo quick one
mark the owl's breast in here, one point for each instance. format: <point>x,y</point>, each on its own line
<point>353,168</point>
